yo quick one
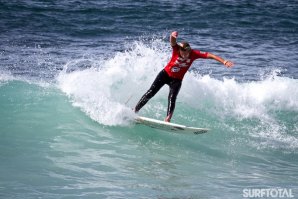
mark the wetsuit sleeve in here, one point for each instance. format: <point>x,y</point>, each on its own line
<point>200,54</point>
<point>176,47</point>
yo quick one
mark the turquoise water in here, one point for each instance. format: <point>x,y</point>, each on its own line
<point>68,68</point>
<point>51,148</point>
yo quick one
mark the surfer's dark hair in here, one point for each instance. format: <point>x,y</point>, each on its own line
<point>184,46</point>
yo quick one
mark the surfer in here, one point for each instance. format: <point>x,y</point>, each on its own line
<point>182,57</point>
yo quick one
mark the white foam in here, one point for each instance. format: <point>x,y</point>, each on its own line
<point>5,77</point>
<point>102,92</point>
<point>252,99</point>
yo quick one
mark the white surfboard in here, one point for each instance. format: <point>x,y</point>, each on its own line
<point>171,127</point>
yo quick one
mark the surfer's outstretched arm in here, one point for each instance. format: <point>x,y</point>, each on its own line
<point>227,63</point>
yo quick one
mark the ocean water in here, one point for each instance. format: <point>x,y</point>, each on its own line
<point>71,71</point>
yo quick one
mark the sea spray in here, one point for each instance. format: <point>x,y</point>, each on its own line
<point>101,92</point>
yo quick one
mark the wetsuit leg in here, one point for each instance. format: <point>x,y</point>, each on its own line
<point>161,79</point>
<point>175,86</point>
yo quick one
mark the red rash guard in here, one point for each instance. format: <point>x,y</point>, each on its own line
<point>177,66</point>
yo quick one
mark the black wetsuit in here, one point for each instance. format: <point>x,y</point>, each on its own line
<point>162,79</point>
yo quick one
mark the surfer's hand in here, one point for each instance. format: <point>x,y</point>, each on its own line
<point>228,64</point>
<point>174,34</point>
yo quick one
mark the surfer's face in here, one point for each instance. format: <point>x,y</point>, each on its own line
<point>184,53</point>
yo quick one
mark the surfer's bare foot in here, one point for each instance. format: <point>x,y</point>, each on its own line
<point>168,119</point>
